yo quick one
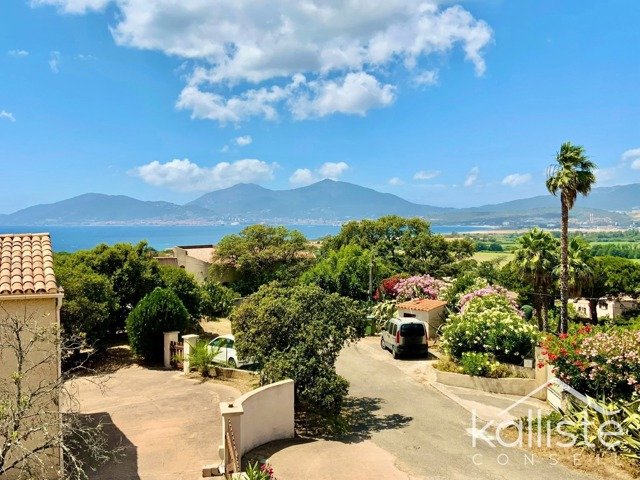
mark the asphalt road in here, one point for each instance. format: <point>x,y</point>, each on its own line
<point>426,431</point>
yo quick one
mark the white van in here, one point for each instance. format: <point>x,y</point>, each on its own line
<point>405,336</point>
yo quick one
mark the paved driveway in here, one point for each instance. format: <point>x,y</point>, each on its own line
<point>424,430</point>
<point>168,425</point>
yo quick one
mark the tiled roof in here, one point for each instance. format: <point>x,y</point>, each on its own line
<point>26,264</point>
<point>422,304</point>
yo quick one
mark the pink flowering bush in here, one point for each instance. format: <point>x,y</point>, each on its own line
<point>418,286</point>
<point>597,362</point>
<point>492,290</point>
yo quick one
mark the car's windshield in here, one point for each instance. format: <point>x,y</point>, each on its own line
<point>412,330</point>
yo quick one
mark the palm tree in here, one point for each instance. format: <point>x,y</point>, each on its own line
<point>536,254</point>
<point>581,274</point>
<point>580,271</point>
<point>572,175</point>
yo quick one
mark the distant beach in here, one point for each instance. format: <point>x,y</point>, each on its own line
<point>73,238</point>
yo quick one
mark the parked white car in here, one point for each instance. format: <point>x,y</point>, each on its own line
<point>227,354</point>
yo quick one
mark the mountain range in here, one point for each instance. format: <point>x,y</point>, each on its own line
<point>326,201</point>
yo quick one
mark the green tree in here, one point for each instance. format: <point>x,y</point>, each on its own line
<point>406,244</point>
<point>185,286</point>
<point>158,312</point>
<point>536,255</point>
<point>89,303</point>
<point>348,271</point>
<point>298,332</point>
<point>260,254</point>
<point>217,300</point>
<point>132,270</point>
<point>572,175</point>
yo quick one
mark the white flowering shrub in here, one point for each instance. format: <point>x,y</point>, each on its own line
<point>490,324</point>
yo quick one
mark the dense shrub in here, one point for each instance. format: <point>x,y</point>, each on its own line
<point>474,363</point>
<point>498,296</point>
<point>158,312</point>
<point>419,286</point>
<point>387,288</point>
<point>384,311</point>
<point>596,362</point>
<point>185,286</point>
<point>490,324</point>
<point>460,286</point>
<point>297,333</point>
<point>217,300</point>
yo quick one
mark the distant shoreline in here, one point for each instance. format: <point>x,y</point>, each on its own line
<point>512,231</point>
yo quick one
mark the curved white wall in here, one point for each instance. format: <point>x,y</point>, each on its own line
<point>260,416</point>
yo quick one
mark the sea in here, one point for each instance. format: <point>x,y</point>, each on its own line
<point>74,238</point>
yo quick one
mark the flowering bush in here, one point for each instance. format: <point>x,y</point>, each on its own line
<point>419,286</point>
<point>490,324</point>
<point>383,311</point>
<point>387,288</point>
<point>493,291</point>
<point>596,362</point>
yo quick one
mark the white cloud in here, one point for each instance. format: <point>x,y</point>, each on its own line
<point>395,181</point>
<point>302,177</point>
<point>344,48</point>
<point>184,175</point>
<point>356,93</point>
<point>472,177</point>
<point>305,176</point>
<point>428,77</point>
<point>636,164</point>
<point>515,179</point>
<point>7,116</point>
<point>333,170</point>
<point>631,156</point>
<point>18,53</point>
<point>54,61</point>
<point>225,149</point>
<point>244,140</point>
<point>73,6</point>
<point>607,175</point>
<point>426,174</point>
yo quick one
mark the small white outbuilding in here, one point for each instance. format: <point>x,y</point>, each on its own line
<point>431,312</point>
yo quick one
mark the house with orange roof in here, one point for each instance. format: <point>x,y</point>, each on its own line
<point>431,312</point>
<point>30,302</point>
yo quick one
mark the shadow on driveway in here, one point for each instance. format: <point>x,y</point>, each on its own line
<point>124,465</point>
<point>358,422</point>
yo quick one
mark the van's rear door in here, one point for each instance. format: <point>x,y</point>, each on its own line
<point>412,333</point>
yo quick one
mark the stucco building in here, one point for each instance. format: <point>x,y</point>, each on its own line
<point>30,297</point>
<point>431,312</point>
<point>606,307</point>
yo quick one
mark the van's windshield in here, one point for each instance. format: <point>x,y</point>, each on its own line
<point>412,330</point>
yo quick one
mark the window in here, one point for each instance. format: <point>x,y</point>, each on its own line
<point>218,342</point>
<point>395,329</point>
<point>409,315</point>
<point>412,330</point>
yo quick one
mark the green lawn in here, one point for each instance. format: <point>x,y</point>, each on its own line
<point>504,257</point>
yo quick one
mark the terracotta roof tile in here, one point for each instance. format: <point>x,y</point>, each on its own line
<point>26,264</point>
<point>422,304</point>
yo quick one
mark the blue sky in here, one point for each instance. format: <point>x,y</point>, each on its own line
<point>443,103</point>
